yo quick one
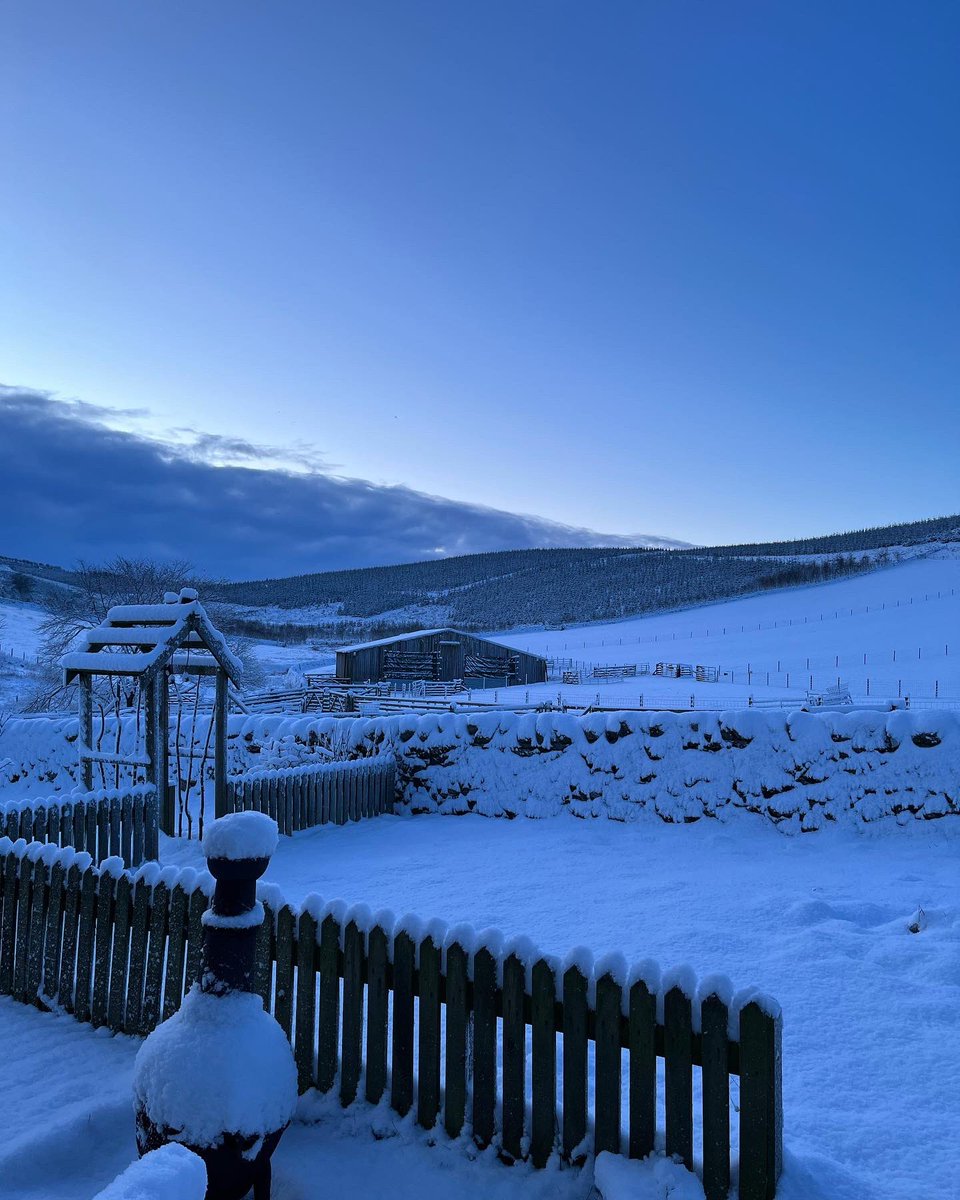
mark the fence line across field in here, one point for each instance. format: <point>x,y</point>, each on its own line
<point>421,1019</point>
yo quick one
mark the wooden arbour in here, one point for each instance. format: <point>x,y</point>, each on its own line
<point>146,643</point>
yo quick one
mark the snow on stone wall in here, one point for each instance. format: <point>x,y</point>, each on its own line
<point>795,768</point>
<point>799,768</point>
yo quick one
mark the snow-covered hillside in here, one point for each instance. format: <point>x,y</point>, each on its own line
<point>898,628</point>
<point>19,643</point>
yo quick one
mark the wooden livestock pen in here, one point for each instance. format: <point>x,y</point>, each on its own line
<point>441,655</point>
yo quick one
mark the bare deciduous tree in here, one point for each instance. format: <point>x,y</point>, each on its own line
<point>84,604</point>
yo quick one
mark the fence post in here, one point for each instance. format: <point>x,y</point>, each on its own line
<point>607,1050</point>
<point>377,1016</point>
<point>306,1011</point>
<point>678,1074</point>
<point>351,1056</point>
<point>544,1055</point>
<point>642,1037</point>
<point>716,1098</point>
<point>574,1060</point>
<point>514,1057</point>
<point>151,821</point>
<point>428,1064</point>
<point>484,1046</point>
<point>761,1105</point>
<point>401,1092</point>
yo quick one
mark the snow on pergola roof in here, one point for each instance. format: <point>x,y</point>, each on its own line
<point>139,639</point>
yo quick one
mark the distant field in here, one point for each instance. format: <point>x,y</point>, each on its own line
<point>889,631</point>
<point>904,620</point>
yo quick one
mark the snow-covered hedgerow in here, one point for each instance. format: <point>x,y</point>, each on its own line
<point>796,768</point>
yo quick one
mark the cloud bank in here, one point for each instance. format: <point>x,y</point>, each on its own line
<point>72,486</point>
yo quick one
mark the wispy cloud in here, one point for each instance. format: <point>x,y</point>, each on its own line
<point>73,485</point>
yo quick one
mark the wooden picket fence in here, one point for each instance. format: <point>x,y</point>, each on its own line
<point>427,1024</point>
<point>109,947</point>
<point>118,822</point>
<point>301,797</point>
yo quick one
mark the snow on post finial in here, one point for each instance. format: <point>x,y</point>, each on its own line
<point>238,848</point>
<point>240,836</point>
<point>219,1075</point>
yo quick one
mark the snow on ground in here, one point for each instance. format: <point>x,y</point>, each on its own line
<point>902,619</point>
<point>67,1112</point>
<point>20,628</point>
<point>65,1099</point>
<point>19,643</point>
<point>276,659</point>
<point>870,1052</point>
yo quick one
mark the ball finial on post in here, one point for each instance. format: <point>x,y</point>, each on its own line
<point>219,1076</point>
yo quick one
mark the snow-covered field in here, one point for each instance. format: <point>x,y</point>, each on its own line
<point>884,634</point>
<point>870,1050</point>
<point>19,643</point>
<point>896,627</point>
<point>870,1053</point>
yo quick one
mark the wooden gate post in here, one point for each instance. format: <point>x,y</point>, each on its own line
<point>220,747</point>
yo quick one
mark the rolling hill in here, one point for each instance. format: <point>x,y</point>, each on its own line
<point>550,587</point>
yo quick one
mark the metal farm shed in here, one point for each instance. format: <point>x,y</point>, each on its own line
<point>440,655</point>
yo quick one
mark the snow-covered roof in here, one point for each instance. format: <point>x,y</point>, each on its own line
<point>399,637</point>
<point>139,638</point>
<point>421,633</point>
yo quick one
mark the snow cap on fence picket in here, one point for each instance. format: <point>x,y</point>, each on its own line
<point>465,936</point>
<point>242,835</point>
<point>750,995</point>
<point>646,971</point>
<point>385,919</point>
<point>685,978</point>
<point>436,931</point>
<point>112,866</point>
<point>360,915</point>
<point>580,957</point>
<point>312,904</point>
<point>716,985</point>
<point>526,951</point>
<point>490,940</point>
<point>148,874</point>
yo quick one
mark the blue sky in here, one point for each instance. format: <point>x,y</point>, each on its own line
<point>682,268</point>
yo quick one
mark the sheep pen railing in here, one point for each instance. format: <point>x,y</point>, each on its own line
<point>422,1015</point>
<point>114,823</point>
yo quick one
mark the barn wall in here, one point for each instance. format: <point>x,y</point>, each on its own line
<point>366,663</point>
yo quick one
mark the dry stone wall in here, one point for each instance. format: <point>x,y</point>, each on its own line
<point>798,770</point>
